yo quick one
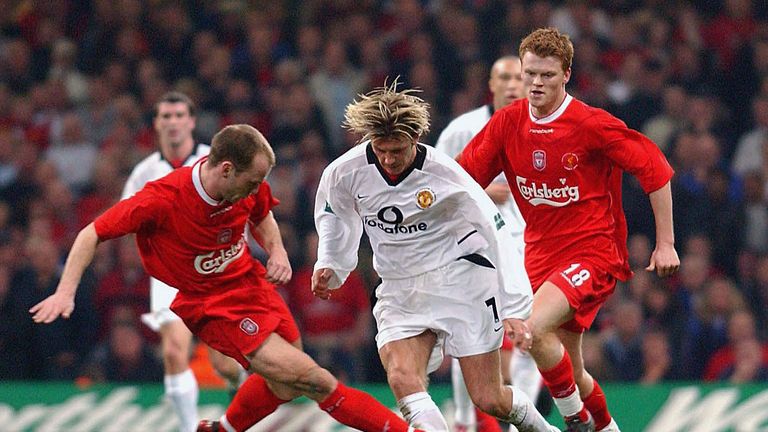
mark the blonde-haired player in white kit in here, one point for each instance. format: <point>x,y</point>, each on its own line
<point>436,244</point>
<point>506,84</point>
<point>174,121</point>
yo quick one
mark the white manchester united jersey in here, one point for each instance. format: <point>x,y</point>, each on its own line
<point>431,215</point>
<point>452,141</point>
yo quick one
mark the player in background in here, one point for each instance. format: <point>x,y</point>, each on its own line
<point>190,227</point>
<point>436,245</point>
<point>564,162</point>
<point>174,122</point>
<point>518,367</point>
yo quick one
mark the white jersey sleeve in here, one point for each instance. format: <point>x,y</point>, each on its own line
<point>339,227</point>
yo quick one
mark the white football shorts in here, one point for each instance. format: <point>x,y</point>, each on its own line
<point>160,297</point>
<point>459,302</point>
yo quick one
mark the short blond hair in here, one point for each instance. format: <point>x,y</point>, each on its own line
<point>387,113</point>
<point>546,42</point>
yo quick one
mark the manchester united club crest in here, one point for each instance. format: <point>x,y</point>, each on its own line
<point>539,160</point>
<point>570,161</point>
<point>424,198</point>
<point>224,236</point>
<point>249,327</point>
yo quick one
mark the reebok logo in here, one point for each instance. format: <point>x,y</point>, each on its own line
<point>537,194</point>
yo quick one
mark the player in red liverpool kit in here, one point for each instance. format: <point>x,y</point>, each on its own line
<point>564,160</point>
<point>190,228</point>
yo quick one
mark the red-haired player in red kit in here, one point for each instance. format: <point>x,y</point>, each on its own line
<point>564,162</point>
<point>190,228</point>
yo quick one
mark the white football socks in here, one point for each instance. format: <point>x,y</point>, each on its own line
<point>420,411</point>
<point>181,389</point>
<point>524,414</point>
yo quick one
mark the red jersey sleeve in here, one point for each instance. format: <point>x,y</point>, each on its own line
<point>633,152</point>
<point>481,158</point>
<point>142,211</point>
<point>264,203</point>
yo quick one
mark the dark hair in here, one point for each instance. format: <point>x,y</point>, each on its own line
<point>239,144</point>
<point>174,97</point>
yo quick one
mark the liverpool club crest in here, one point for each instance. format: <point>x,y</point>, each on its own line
<point>539,160</point>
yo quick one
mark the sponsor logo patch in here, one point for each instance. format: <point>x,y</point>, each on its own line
<point>543,193</point>
<point>249,327</point>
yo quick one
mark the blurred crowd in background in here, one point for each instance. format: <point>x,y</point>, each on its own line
<point>78,81</point>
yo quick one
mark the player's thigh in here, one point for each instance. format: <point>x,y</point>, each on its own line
<point>482,374</point>
<point>550,309</point>
<point>408,356</point>
<point>176,343</point>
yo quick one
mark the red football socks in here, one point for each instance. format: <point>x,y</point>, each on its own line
<point>559,380</point>
<point>252,402</point>
<point>360,410</point>
<point>486,422</point>
<point>561,384</point>
<point>598,407</point>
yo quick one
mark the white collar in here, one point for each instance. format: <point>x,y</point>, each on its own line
<point>199,183</point>
<point>554,116</point>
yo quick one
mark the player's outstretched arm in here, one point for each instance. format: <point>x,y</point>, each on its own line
<point>267,233</point>
<point>62,302</point>
<point>664,259</point>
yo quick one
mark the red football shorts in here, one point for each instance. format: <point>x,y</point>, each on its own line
<point>236,322</point>
<point>587,287</point>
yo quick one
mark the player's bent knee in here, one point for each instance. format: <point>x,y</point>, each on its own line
<point>315,383</point>
<point>404,381</point>
<point>490,404</point>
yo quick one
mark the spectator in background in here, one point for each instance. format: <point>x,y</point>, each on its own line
<point>623,346</point>
<point>706,329</point>
<point>126,286</point>
<point>74,156</point>
<point>656,357</point>
<point>744,358</point>
<point>750,152</point>
<point>55,352</point>
<point>665,126</point>
<point>333,85</point>
<point>755,212</point>
<point>336,330</point>
<point>124,357</point>
<point>15,334</point>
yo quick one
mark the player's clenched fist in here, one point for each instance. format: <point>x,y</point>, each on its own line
<point>320,279</point>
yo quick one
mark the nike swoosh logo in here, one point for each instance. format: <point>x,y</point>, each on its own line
<point>497,329</point>
<point>361,196</point>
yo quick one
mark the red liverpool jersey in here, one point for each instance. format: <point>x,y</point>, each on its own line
<point>186,238</point>
<point>565,174</point>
